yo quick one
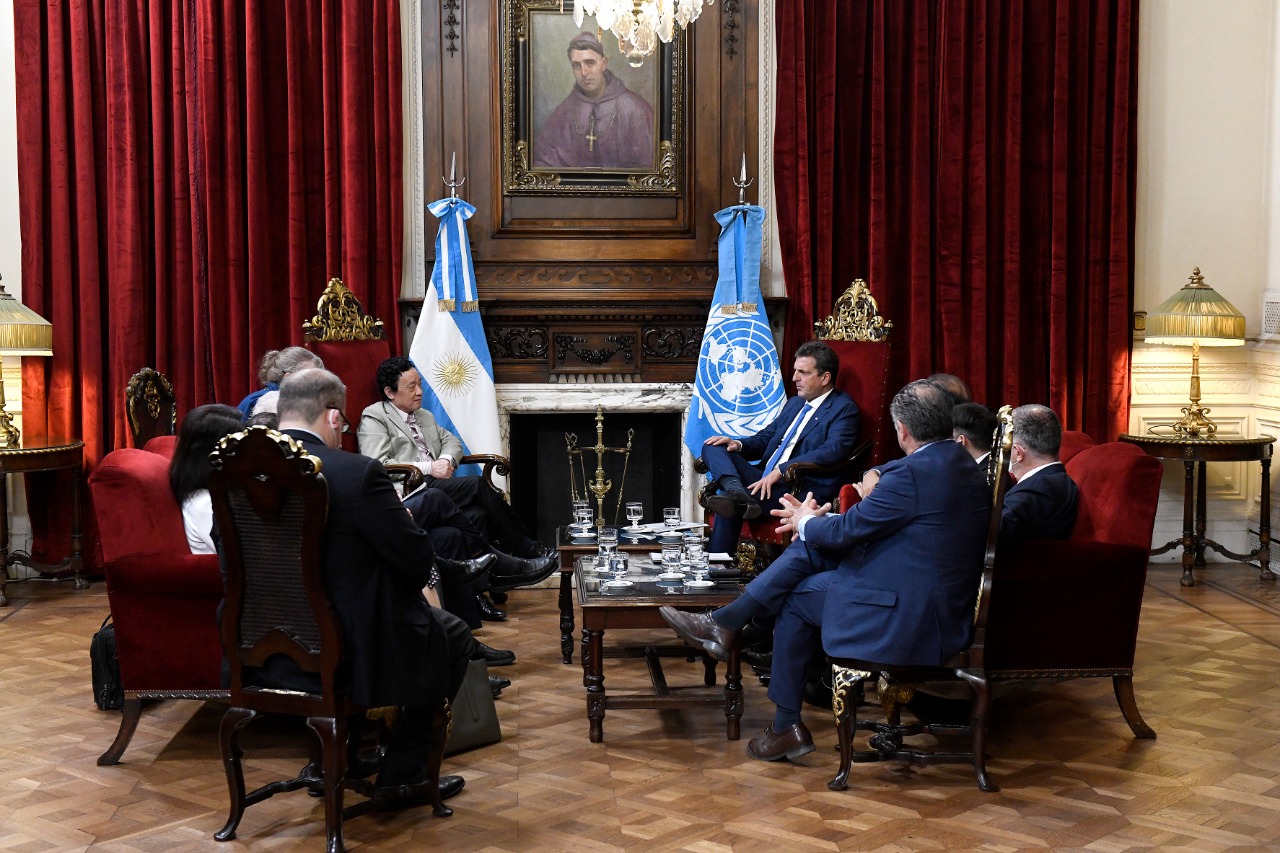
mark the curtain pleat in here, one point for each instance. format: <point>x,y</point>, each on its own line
<point>191,173</point>
<point>975,161</point>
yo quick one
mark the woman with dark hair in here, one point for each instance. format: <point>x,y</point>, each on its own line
<point>189,469</point>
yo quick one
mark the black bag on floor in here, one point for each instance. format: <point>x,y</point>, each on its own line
<point>108,695</point>
<point>475,718</point>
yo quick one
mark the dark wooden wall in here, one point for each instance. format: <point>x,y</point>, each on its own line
<point>590,283</point>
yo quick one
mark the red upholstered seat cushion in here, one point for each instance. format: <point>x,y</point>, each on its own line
<point>1119,490</point>
<point>356,364</point>
<point>136,511</point>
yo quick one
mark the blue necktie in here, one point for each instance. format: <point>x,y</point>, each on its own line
<point>786,439</point>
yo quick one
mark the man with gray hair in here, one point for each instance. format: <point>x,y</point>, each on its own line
<point>601,124</point>
<point>399,649</point>
<point>1042,503</point>
<point>891,579</point>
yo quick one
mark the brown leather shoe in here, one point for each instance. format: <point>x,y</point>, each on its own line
<point>701,631</point>
<point>772,746</point>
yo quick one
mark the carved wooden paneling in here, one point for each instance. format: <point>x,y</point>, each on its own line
<point>639,270</point>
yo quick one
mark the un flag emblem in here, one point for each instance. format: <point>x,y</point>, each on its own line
<point>739,385</point>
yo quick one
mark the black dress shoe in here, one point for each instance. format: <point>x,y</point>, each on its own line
<point>701,631</point>
<point>535,550</point>
<point>488,611</point>
<point>464,571</point>
<point>492,656</point>
<point>511,572</point>
<point>497,684</point>
<point>773,746</point>
<point>450,786</point>
<point>735,503</point>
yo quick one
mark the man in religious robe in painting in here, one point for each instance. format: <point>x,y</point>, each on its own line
<point>602,124</point>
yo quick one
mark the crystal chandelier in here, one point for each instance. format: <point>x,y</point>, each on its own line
<point>640,26</point>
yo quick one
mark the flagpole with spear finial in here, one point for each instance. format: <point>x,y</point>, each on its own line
<point>452,182</point>
<point>742,182</point>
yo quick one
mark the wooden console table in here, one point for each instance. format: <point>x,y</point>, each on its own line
<point>1196,452</point>
<point>51,455</point>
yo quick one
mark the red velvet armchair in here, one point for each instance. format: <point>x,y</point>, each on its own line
<point>1048,610</point>
<point>163,598</point>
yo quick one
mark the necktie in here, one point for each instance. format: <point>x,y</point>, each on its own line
<point>787,439</point>
<point>424,453</point>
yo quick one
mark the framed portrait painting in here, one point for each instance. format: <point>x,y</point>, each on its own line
<point>578,116</point>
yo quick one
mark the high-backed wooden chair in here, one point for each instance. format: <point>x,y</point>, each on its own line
<point>859,336</point>
<point>150,405</point>
<point>271,505</point>
<point>352,345</point>
<point>1048,610</point>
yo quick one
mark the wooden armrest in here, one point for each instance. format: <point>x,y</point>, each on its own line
<point>407,475</point>
<point>798,470</point>
<point>491,465</point>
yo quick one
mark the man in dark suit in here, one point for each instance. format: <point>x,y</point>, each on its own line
<point>974,427</point>
<point>400,650</point>
<point>819,424</point>
<point>891,579</point>
<point>1042,503</point>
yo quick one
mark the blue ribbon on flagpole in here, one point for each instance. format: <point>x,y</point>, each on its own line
<point>453,274</point>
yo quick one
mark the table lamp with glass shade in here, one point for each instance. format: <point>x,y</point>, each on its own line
<point>22,332</point>
<point>1197,315</point>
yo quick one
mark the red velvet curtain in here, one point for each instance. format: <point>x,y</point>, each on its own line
<point>191,173</point>
<point>975,162</point>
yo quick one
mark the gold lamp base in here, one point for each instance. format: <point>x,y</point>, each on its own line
<point>1195,422</point>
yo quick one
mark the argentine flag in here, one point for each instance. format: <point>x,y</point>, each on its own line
<point>449,348</point>
<point>738,389</point>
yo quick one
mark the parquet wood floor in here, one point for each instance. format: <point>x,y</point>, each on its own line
<point>1071,775</point>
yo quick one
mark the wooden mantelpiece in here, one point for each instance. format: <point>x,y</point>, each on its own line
<point>607,285</point>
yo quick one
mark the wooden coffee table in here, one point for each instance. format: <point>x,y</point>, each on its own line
<point>637,607</point>
<point>570,550</point>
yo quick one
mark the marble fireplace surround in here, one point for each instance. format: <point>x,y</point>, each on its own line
<point>616,397</point>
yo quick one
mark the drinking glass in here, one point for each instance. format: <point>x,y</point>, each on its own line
<point>700,566</point>
<point>619,565</point>
<point>608,541</point>
<point>585,515</point>
<point>692,541</point>
<point>671,554</point>
<point>671,517</point>
<point>578,507</point>
<point>635,512</point>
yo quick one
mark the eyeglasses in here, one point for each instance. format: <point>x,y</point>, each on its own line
<point>346,424</point>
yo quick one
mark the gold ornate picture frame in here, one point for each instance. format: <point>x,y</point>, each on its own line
<point>557,142</point>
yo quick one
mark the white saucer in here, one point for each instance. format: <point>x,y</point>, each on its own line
<point>699,584</point>
<point>616,584</point>
<point>671,576</point>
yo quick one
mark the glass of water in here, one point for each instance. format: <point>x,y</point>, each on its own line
<point>578,507</point>
<point>608,542</point>
<point>635,512</point>
<point>671,517</point>
<point>671,555</point>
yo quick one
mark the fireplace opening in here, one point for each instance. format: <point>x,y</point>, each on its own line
<point>540,489</point>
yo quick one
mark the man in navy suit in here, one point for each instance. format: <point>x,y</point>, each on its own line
<point>819,424</point>
<point>1042,503</point>
<point>891,579</point>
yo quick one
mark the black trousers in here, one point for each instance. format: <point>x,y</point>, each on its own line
<point>477,500</point>
<point>406,754</point>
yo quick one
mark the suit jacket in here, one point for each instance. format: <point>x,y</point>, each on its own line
<point>376,563</point>
<point>907,560</point>
<point>384,435</point>
<point>826,439</point>
<point>1043,507</point>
